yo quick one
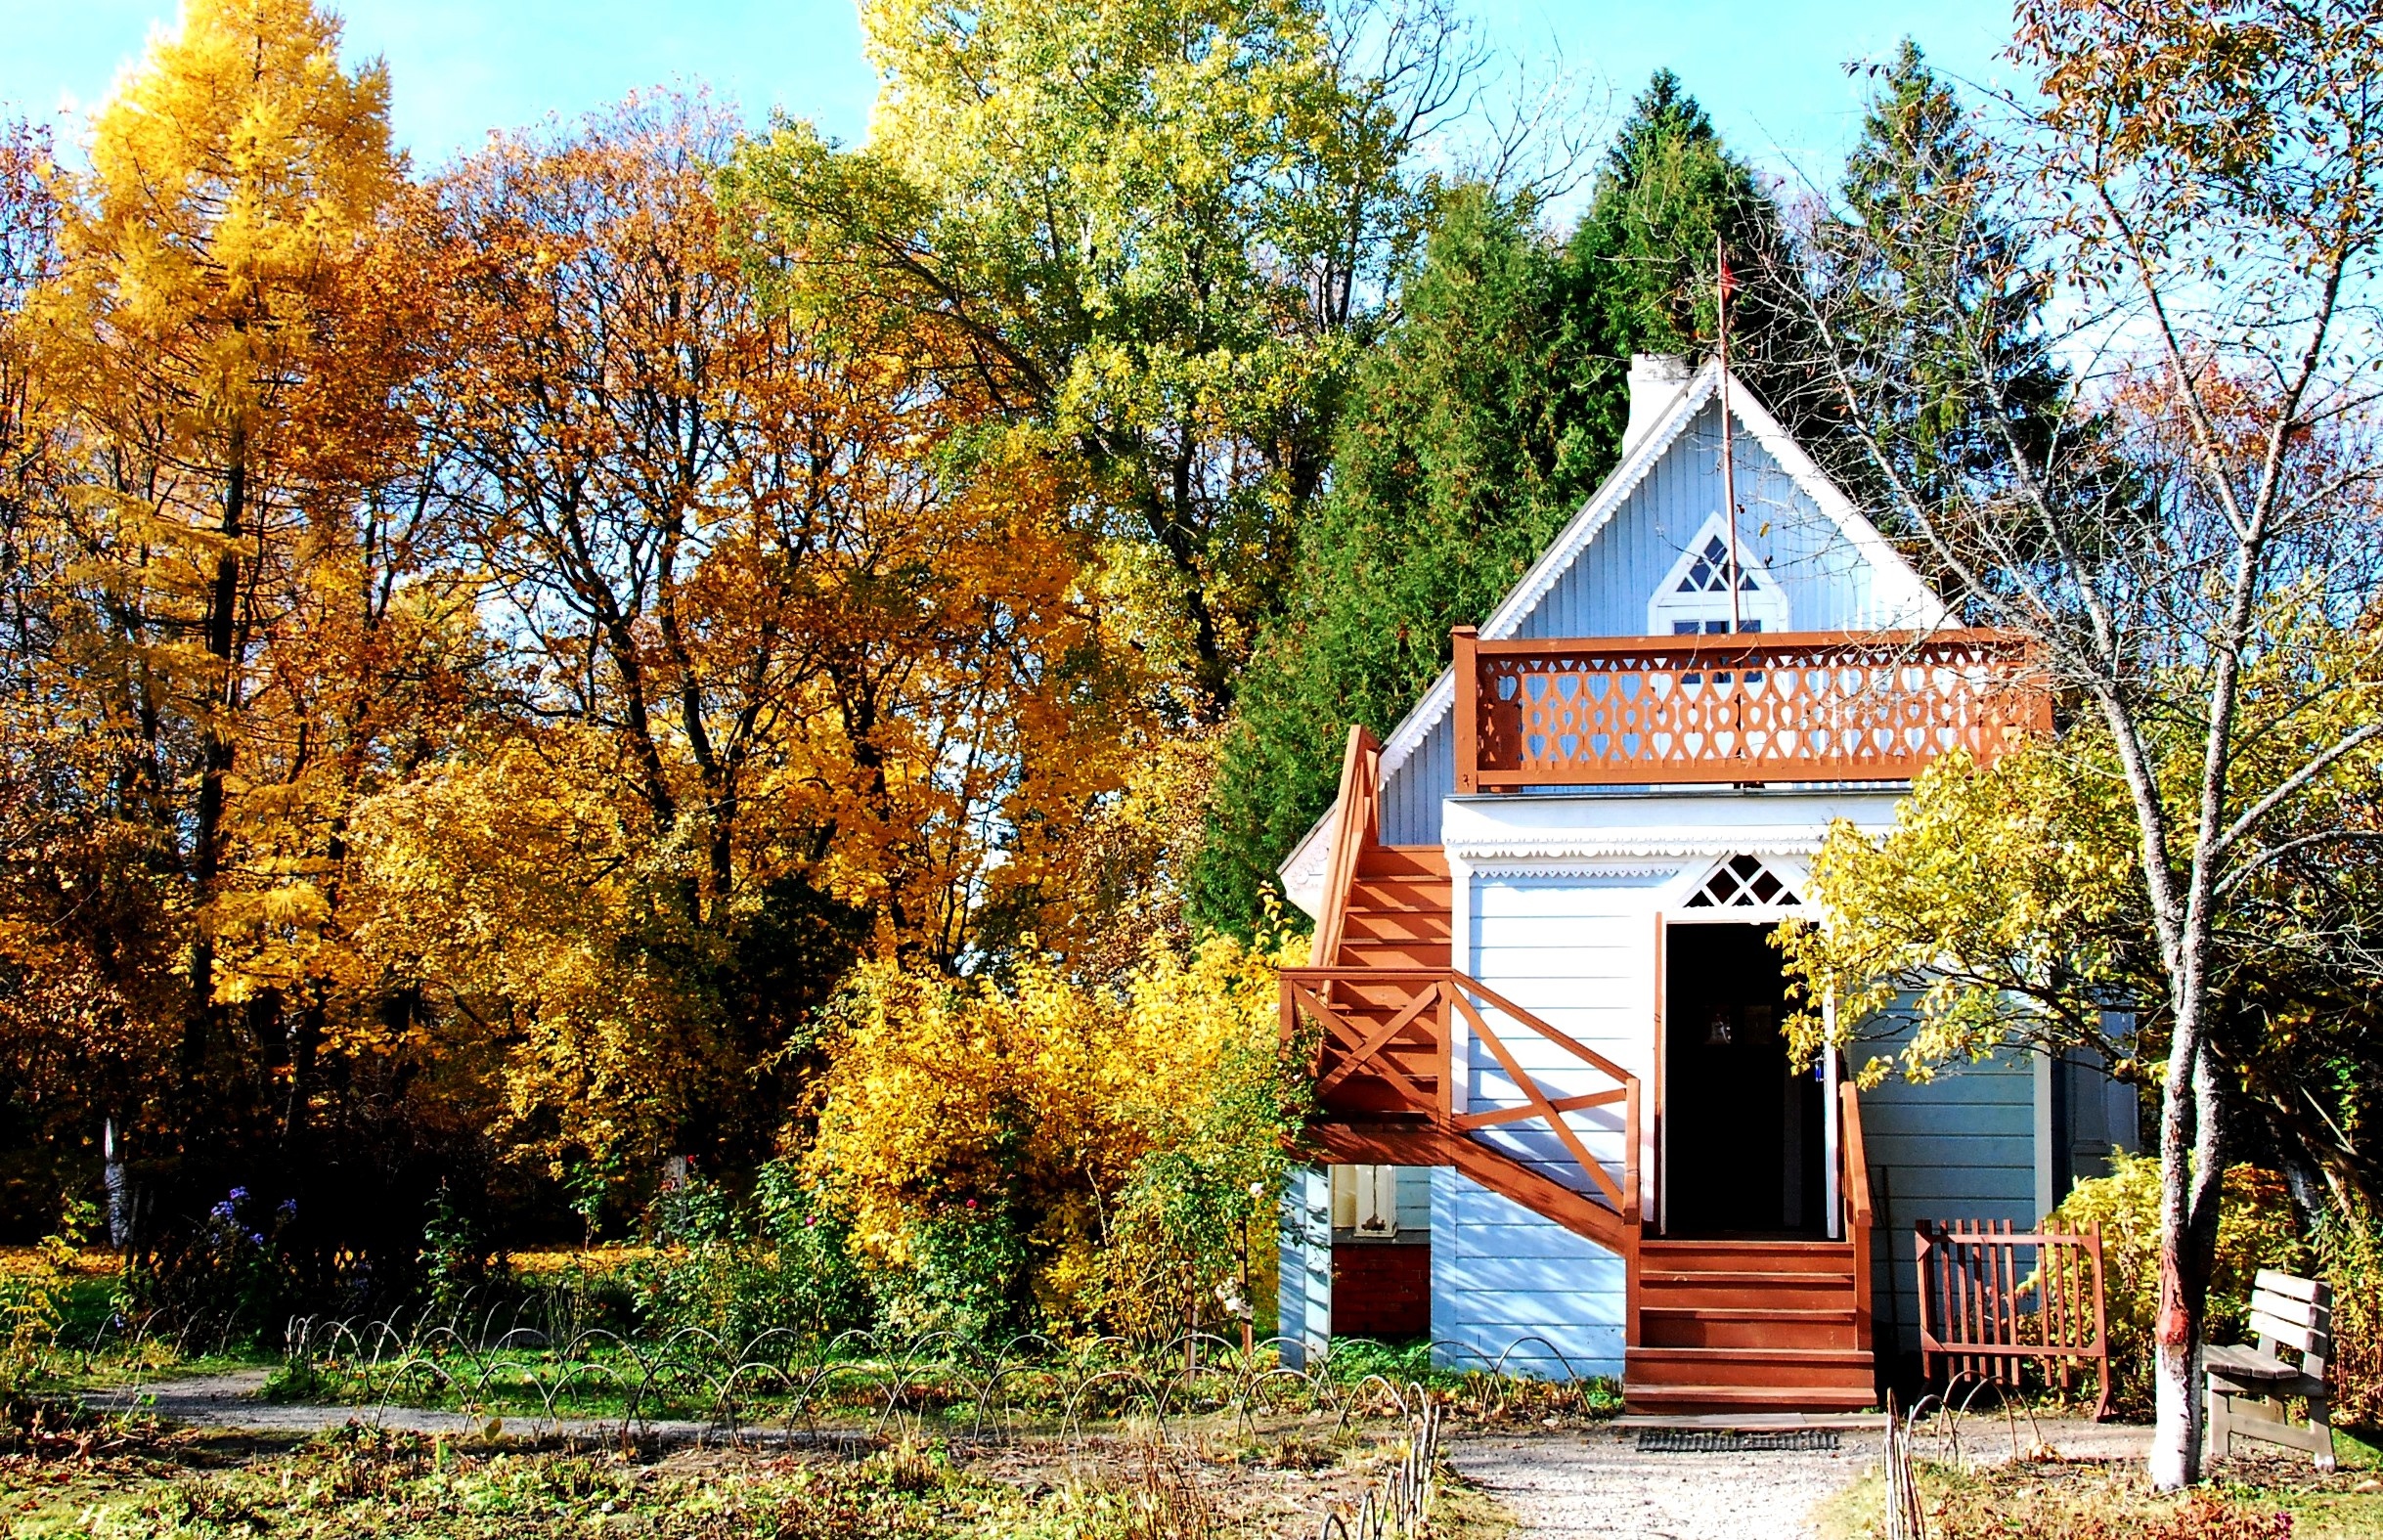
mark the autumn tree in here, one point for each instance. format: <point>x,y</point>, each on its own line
<point>221,640</point>
<point>1157,235</point>
<point>2203,188</point>
<point>798,668</point>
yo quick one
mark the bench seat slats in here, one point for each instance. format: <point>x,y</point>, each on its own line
<point>2247,1363</point>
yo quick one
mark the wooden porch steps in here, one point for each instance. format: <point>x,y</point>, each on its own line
<point>1748,1325</point>
<point>1397,912</point>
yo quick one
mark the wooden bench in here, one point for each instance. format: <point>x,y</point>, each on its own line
<point>2248,1386</point>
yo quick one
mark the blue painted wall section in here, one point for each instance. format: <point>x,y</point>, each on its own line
<point>1960,1146</point>
<point>1506,1283</point>
<point>1303,1292</point>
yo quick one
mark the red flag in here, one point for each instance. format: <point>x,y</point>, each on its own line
<point>1729,279</point>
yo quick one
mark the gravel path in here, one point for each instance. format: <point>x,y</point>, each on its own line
<point>1573,1486</point>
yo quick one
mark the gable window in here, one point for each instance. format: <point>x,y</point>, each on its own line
<point>1744,883</point>
<point>1695,597</point>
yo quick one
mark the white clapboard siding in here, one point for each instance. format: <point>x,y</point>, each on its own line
<point>1507,1283</point>
<point>1506,1280</point>
<point>1575,952</point>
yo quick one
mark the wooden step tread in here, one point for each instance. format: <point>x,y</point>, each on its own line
<point>1786,1315</point>
<point>1781,1398</point>
<point>1846,1357</point>
<point>1659,1277</point>
<point>1736,1250</point>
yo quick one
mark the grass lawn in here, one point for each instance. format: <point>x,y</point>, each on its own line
<point>2257,1497</point>
<point>133,1479</point>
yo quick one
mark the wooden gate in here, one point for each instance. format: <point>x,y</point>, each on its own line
<point>1985,1309</point>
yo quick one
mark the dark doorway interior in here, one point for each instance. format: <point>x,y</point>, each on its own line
<point>1744,1137</point>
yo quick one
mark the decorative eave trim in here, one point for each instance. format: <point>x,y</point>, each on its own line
<point>1501,864</point>
<point>1647,850</point>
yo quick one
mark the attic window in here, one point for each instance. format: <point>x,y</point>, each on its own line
<point>1744,883</point>
<point>1695,595</point>
<point>1710,572</point>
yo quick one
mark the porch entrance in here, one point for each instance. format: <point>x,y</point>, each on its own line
<point>1745,1137</point>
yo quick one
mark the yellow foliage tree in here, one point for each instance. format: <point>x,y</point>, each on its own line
<point>233,634</point>
<point>800,666</point>
<point>1015,1131</point>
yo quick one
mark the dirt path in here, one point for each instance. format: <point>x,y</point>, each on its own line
<point>231,1401</point>
<point>1560,1486</point>
<point>1599,1484</point>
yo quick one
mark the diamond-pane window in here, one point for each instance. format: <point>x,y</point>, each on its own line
<point>1744,883</point>
<point>1696,595</point>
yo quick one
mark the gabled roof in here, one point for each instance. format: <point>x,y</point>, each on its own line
<point>1899,589</point>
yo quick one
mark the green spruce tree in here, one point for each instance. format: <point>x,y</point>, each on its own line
<point>1931,298</point>
<point>1474,430</point>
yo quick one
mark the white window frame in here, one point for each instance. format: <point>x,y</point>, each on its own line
<point>1763,606</point>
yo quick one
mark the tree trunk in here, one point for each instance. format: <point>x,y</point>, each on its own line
<point>2193,1173</point>
<point>206,838</point>
<point>2175,1437</point>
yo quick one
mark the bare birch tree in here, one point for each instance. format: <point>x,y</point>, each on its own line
<point>2191,208</point>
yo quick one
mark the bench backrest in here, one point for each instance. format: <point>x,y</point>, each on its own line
<point>2295,1313</point>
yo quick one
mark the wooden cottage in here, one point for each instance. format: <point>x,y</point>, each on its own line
<point>1561,1131</point>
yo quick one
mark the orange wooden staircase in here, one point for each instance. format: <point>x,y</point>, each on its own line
<point>1714,1326</point>
<point>1748,1326</point>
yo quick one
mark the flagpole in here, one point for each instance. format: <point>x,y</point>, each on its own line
<point>1729,454</point>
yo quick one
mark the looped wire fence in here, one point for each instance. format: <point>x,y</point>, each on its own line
<point>1398,1506</point>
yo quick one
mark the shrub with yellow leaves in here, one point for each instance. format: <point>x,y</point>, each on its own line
<point>1099,1159</point>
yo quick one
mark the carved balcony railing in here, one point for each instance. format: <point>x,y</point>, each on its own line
<point>1793,706</point>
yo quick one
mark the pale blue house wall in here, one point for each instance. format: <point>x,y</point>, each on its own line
<point>1962,1146</point>
<point>1303,1290</point>
<point>1829,583</point>
<point>1509,1286</point>
<point>1411,794</point>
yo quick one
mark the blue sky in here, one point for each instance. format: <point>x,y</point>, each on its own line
<point>1772,74</point>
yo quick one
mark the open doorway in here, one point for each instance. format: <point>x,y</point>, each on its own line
<point>1745,1137</point>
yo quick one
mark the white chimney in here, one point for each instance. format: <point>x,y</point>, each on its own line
<point>1655,382</point>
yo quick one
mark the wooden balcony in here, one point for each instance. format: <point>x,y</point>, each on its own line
<point>1795,706</point>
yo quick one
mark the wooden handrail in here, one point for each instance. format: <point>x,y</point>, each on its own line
<point>1421,1024</point>
<point>1853,1180</point>
<point>1356,823</point>
<point>1829,705</point>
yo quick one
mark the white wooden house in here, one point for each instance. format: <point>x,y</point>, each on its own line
<point>1561,1133</point>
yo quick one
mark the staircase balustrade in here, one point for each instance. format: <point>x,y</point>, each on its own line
<point>1853,1169</point>
<point>1383,1049</point>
